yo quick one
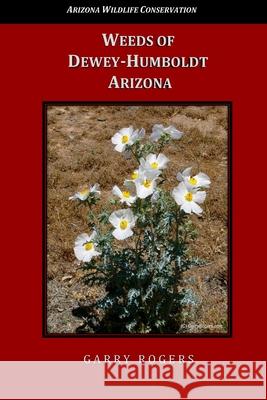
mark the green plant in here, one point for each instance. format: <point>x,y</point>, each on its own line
<point>139,252</point>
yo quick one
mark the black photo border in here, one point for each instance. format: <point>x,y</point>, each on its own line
<point>229,105</point>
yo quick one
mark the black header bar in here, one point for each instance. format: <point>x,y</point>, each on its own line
<point>133,11</point>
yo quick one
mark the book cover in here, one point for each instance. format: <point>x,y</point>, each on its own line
<point>133,238</point>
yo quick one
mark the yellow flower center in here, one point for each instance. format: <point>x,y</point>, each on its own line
<point>134,175</point>
<point>84,191</point>
<point>88,246</point>
<point>123,224</point>
<point>154,165</point>
<point>193,181</point>
<point>125,139</point>
<point>126,194</point>
<point>188,196</point>
<point>147,183</point>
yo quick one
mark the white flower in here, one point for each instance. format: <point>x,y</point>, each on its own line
<point>123,221</point>
<point>130,183</point>
<point>159,130</point>
<point>154,162</point>
<point>146,183</point>
<point>137,173</point>
<point>188,199</point>
<point>85,191</point>
<point>134,175</point>
<point>126,137</point>
<point>125,195</point>
<point>139,134</point>
<point>196,181</point>
<point>85,247</point>
<point>95,189</point>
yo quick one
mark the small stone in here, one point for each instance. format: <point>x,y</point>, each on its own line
<point>66,278</point>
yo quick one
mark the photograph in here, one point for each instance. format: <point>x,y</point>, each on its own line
<point>137,219</point>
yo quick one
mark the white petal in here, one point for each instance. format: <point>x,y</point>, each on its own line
<point>175,134</point>
<point>187,207</point>
<point>116,138</point>
<point>202,180</point>
<point>199,197</point>
<point>140,191</point>
<point>141,170</point>
<point>81,239</point>
<point>179,177</point>
<point>95,188</point>
<point>116,191</point>
<point>195,208</point>
<point>127,131</point>
<point>158,128</point>
<point>138,134</point>
<point>132,222</point>
<point>128,214</point>
<point>96,253</point>
<point>121,234</point>
<point>114,219</point>
<point>143,163</point>
<point>141,133</point>
<point>79,252</point>
<point>88,255</point>
<point>129,201</point>
<point>120,147</point>
<point>151,158</point>
<point>82,196</point>
<point>143,192</point>
<point>118,215</point>
<point>74,197</point>
<point>178,195</point>
<point>189,186</point>
<point>92,236</point>
<point>157,131</point>
<point>187,172</point>
<point>134,137</point>
<point>155,136</point>
<point>121,213</point>
<point>182,188</point>
<point>131,141</point>
<point>162,160</point>
<point>151,174</point>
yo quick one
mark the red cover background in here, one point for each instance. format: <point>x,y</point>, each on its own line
<point>33,69</point>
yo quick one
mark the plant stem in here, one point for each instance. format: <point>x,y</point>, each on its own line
<point>91,216</point>
<point>134,154</point>
<point>177,266</point>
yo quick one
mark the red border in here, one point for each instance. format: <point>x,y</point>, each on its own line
<point>33,69</point>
